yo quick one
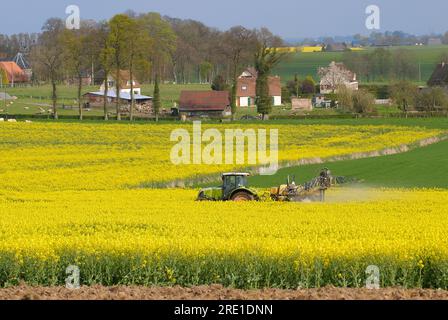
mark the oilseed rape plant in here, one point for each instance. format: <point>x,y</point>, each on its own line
<point>85,195</point>
<point>163,237</point>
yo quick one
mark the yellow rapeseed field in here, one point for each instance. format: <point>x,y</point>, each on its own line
<point>72,194</point>
<point>71,156</point>
<point>164,237</point>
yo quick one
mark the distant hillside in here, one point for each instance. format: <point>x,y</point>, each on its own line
<point>308,63</point>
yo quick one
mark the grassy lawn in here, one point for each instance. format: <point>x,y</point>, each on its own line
<point>425,167</point>
<point>32,99</point>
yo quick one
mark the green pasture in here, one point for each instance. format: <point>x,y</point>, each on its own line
<point>308,63</point>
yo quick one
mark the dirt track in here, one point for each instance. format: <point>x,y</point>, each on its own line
<point>214,292</point>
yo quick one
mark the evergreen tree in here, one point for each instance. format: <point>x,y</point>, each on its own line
<point>156,99</point>
<point>296,85</point>
<point>265,60</point>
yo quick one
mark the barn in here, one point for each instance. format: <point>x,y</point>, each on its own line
<point>213,104</point>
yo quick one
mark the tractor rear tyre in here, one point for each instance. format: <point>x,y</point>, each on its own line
<point>242,196</point>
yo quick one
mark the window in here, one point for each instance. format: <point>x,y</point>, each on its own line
<point>244,88</point>
<point>241,181</point>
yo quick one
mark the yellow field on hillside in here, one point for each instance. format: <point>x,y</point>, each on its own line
<point>77,194</point>
<point>73,156</point>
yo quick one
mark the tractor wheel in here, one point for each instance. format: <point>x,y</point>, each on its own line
<point>242,196</point>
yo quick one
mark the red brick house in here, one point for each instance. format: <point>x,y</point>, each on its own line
<point>246,89</point>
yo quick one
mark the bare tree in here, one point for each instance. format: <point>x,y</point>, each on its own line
<point>48,56</point>
<point>138,42</point>
<point>239,45</point>
<point>117,43</point>
<point>99,42</point>
<point>77,58</point>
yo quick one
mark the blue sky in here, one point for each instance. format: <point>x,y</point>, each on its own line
<point>288,18</point>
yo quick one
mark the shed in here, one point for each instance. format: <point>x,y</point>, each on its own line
<point>204,103</point>
<point>299,104</point>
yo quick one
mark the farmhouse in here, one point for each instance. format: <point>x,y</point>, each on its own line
<point>22,62</point>
<point>440,76</point>
<point>335,75</point>
<point>247,85</point>
<point>13,72</point>
<point>125,91</point>
<point>125,82</point>
<point>204,103</point>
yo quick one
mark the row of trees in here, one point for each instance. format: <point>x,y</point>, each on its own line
<point>151,47</point>
<point>409,97</point>
<point>396,38</point>
<point>123,43</point>
<point>382,64</point>
<point>388,38</point>
<point>406,95</point>
<point>22,42</point>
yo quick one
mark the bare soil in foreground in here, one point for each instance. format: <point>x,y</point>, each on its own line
<point>215,292</point>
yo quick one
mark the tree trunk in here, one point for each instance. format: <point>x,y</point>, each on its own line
<point>174,74</point>
<point>117,94</point>
<point>233,102</point>
<point>54,99</point>
<point>92,78</point>
<point>131,110</point>
<point>234,87</point>
<point>79,96</point>
<point>106,89</point>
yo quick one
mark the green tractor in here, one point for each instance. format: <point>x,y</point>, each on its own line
<point>234,188</point>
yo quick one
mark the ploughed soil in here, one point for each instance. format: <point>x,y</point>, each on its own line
<point>214,292</point>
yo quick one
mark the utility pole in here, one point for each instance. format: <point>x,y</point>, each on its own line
<point>4,96</point>
<point>419,72</point>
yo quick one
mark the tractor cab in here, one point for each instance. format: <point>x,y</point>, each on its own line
<point>232,182</point>
<point>234,188</point>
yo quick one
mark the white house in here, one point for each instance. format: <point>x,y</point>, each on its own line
<point>125,84</point>
<point>335,75</point>
<point>125,90</point>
